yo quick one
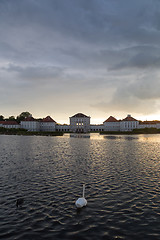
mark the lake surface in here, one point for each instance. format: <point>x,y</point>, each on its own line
<point>122,177</point>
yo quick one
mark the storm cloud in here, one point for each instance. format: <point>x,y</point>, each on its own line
<point>97,57</point>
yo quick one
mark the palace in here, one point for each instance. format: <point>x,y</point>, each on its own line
<point>80,123</point>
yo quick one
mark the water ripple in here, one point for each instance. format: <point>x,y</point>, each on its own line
<point>122,187</point>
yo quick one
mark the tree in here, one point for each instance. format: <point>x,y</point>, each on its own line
<point>1,118</point>
<point>22,116</point>
<point>11,118</point>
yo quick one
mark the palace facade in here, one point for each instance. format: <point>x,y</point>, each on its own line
<point>80,123</point>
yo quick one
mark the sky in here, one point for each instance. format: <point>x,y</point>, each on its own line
<point>97,57</point>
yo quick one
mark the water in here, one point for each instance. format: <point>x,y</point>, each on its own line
<point>122,176</point>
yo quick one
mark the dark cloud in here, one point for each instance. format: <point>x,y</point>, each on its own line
<point>139,57</point>
<point>36,73</point>
<point>104,52</point>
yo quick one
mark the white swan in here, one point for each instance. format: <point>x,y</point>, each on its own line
<point>81,202</point>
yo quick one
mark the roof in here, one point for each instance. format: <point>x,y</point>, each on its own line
<point>129,118</point>
<point>111,119</point>
<point>9,123</point>
<point>79,115</point>
<point>47,119</point>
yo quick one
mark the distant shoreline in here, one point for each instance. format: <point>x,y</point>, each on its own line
<point>23,132</point>
<point>134,131</point>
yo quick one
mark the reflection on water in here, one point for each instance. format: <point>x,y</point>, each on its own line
<point>79,135</point>
<point>139,137</point>
<point>122,187</point>
<point>114,137</point>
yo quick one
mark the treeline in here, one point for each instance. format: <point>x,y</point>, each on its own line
<point>18,119</point>
<point>20,131</point>
<point>146,131</point>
